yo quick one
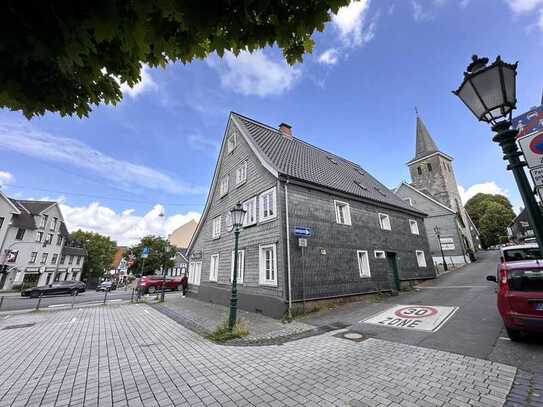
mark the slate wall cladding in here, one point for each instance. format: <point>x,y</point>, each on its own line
<point>258,180</point>
<point>336,273</point>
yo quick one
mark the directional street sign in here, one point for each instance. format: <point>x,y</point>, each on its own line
<point>301,231</point>
<point>532,148</point>
<point>145,252</point>
<point>529,122</point>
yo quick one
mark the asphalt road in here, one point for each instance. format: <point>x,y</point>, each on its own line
<point>476,328</point>
<point>14,301</point>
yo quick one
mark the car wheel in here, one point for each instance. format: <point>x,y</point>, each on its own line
<point>514,334</point>
<point>75,292</point>
<point>151,289</point>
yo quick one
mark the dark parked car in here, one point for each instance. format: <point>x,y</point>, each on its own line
<point>58,287</point>
<point>106,286</point>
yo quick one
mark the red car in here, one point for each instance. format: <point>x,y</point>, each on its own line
<point>152,284</point>
<point>520,296</point>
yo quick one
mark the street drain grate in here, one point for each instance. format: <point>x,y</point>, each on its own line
<point>352,336</point>
<point>18,326</point>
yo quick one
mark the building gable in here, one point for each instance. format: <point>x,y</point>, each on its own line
<point>421,201</point>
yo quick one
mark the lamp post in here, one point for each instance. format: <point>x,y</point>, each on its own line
<point>167,250</point>
<point>489,92</point>
<point>437,232</point>
<point>237,214</point>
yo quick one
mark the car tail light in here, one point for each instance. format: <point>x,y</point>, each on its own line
<point>503,277</point>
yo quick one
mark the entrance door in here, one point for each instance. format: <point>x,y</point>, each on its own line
<point>393,266</point>
<point>195,272</point>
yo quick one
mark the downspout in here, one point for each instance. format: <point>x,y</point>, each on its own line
<point>288,252</point>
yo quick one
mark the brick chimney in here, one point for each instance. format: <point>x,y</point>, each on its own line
<point>286,130</point>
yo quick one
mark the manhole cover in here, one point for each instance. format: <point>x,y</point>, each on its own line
<point>18,326</point>
<point>352,335</point>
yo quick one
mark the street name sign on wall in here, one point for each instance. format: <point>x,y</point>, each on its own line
<point>414,317</point>
<point>301,231</point>
<point>529,122</point>
<point>532,148</point>
<point>537,176</point>
<point>447,243</point>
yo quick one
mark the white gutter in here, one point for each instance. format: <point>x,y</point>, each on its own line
<point>288,253</point>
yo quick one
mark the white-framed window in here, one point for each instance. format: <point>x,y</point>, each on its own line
<point>363,263</point>
<point>414,226</point>
<point>241,173</point>
<point>250,216</point>
<point>343,212</point>
<point>39,236</point>
<point>421,260</point>
<point>216,228</point>
<point>268,265</point>
<point>44,258</point>
<point>384,221</point>
<point>224,185</point>
<point>33,257</point>
<point>409,201</point>
<point>241,266</point>
<point>44,221</point>
<point>214,267</point>
<point>228,221</point>
<point>232,141</point>
<point>54,224</point>
<point>268,205</point>
<point>379,254</point>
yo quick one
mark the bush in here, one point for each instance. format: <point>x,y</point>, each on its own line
<point>223,334</point>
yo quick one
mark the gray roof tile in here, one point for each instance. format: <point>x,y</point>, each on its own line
<point>298,159</point>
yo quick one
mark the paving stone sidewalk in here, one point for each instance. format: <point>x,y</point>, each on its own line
<point>204,317</point>
<point>133,355</point>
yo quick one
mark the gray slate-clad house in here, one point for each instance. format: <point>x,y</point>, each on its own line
<point>364,239</point>
<point>433,190</point>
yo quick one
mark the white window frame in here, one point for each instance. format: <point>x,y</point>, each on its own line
<point>262,265</point>
<point>414,227</point>
<point>246,205</point>
<point>224,185</point>
<point>232,141</point>
<point>409,201</point>
<point>346,214</point>
<point>363,268</point>
<point>241,266</point>
<point>261,201</point>
<point>216,227</point>
<point>384,225</point>
<point>419,254</point>
<point>379,254</point>
<point>214,267</point>
<point>242,169</point>
<point>40,234</point>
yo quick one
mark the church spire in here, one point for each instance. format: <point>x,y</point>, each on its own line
<point>425,143</point>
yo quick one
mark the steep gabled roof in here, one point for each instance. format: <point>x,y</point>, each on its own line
<point>426,196</point>
<point>300,160</point>
<point>425,144</point>
<point>34,207</point>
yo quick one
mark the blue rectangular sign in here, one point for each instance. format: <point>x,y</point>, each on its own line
<point>145,252</point>
<point>302,231</point>
<point>529,122</point>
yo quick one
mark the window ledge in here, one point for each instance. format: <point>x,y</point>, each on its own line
<point>215,237</point>
<point>250,225</point>
<point>241,184</point>
<point>270,284</point>
<point>267,220</point>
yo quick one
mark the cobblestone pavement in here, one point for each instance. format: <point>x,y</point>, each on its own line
<point>527,390</point>
<point>134,355</point>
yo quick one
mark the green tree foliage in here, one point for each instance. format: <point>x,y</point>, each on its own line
<point>66,56</point>
<point>160,255</point>
<point>491,214</point>
<point>100,252</point>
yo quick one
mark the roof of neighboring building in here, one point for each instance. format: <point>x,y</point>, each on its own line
<point>118,256</point>
<point>34,207</point>
<point>300,160</point>
<point>425,195</point>
<point>181,236</point>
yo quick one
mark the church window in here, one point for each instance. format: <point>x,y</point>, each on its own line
<point>429,167</point>
<point>419,170</point>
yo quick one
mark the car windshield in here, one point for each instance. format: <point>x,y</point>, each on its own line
<point>526,280</point>
<point>520,254</point>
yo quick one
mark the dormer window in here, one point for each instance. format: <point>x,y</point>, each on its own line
<point>232,141</point>
<point>332,159</point>
<point>361,185</point>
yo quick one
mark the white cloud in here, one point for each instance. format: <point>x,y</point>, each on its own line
<point>254,73</point>
<point>524,6</point>
<point>125,227</point>
<point>145,85</point>
<point>20,137</point>
<point>489,187</point>
<point>419,14</point>
<point>329,57</point>
<point>350,21</point>
<point>202,143</point>
<point>6,178</point>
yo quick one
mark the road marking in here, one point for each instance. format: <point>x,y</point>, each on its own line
<point>503,338</point>
<point>146,311</point>
<point>58,305</point>
<point>455,286</point>
<point>415,317</point>
<point>119,299</point>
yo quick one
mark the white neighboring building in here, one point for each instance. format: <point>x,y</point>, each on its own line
<point>33,249</point>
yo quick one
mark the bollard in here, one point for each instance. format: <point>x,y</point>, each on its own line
<point>131,297</point>
<point>1,301</point>
<point>105,296</point>
<point>38,304</point>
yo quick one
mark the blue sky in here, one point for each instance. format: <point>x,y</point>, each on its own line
<point>155,152</point>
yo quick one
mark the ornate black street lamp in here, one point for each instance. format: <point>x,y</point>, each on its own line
<point>489,91</point>
<point>438,234</point>
<point>237,214</point>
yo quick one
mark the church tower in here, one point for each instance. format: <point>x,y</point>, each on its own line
<point>432,171</point>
